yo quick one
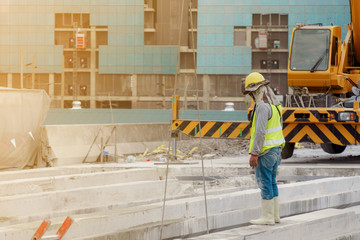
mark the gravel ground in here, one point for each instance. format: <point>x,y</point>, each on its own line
<point>225,147</point>
<point>210,148</point>
<point>215,147</point>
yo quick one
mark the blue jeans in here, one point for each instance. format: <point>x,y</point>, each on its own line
<point>265,173</point>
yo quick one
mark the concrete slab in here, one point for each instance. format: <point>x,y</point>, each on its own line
<point>354,234</point>
<point>114,200</point>
<point>27,207</point>
<point>319,170</point>
<point>186,216</point>
<point>79,180</point>
<point>316,225</point>
<point>58,171</point>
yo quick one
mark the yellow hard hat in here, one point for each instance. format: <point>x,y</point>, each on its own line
<point>253,81</point>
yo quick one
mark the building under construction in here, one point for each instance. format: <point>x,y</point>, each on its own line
<point>126,52</point>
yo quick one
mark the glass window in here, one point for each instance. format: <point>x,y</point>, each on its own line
<point>265,20</point>
<point>310,50</point>
<point>283,20</point>
<point>256,20</point>
<point>275,64</point>
<point>239,36</point>
<point>276,43</point>
<point>263,64</point>
<point>275,21</point>
<point>67,19</point>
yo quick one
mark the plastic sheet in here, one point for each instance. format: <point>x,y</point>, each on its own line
<point>22,113</point>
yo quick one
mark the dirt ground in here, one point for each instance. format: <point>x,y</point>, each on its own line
<point>225,147</point>
<point>215,147</point>
<point>209,148</point>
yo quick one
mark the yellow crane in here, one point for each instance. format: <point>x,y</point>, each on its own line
<point>324,73</point>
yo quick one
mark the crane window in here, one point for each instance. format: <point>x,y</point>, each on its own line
<point>310,50</point>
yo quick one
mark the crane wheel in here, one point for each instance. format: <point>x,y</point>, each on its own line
<point>288,150</point>
<point>332,148</point>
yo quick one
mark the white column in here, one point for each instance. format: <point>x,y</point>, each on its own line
<point>206,93</point>
<point>9,80</point>
<point>134,90</point>
<point>248,36</point>
<point>62,83</point>
<point>51,85</point>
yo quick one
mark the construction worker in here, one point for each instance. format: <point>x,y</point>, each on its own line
<point>265,145</point>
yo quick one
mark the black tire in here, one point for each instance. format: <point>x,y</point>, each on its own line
<point>332,148</point>
<point>288,150</point>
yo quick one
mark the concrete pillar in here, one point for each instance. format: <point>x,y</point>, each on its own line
<point>9,80</point>
<point>92,88</point>
<point>134,90</point>
<point>33,73</point>
<point>185,90</point>
<point>163,91</point>
<point>206,93</point>
<point>248,36</point>
<point>21,69</point>
<point>51,85</point>
<point>93,67</point>
<point>62,83</point>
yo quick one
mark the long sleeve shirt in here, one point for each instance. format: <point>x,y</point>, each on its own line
<point>263,114</point>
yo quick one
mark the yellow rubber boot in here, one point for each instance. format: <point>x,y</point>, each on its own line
<point>276,210</point>
<point>267,213</point>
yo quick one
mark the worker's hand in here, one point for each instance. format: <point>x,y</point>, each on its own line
<point>253,161</point>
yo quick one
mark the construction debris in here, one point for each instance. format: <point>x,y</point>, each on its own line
<point>187,149</point>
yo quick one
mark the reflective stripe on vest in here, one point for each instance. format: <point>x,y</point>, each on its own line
<point>272,130</point>
<point>274,136</point>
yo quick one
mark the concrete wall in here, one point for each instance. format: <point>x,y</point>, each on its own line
<point>133,116</point>
<point>72,132</point>
<point>217,19</point>
<point>71,143</point>
<point>28,26</point>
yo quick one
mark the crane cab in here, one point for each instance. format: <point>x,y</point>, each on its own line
<point>314,59</point>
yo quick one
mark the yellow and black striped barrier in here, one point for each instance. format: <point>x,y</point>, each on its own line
<point>340,134</point>
<point>213,129</point>
<point>322,125</point>
<point>317,125</point>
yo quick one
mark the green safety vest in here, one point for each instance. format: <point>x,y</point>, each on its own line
<point>274,136</point>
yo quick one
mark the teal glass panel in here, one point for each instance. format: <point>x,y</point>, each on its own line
<point>156,59</point>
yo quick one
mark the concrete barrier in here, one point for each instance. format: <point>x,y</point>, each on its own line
<point>184,217</point>
<point>73,181</point>
<point>71,143</point>
<point>58,171</point>
<point>83,200</point>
